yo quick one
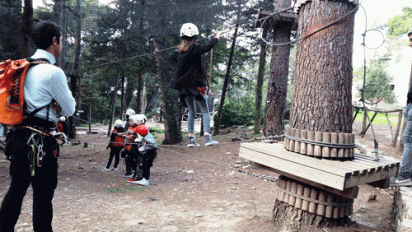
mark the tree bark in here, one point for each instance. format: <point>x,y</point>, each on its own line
<point>322,99</point>
<point>259,82</point>
<point>169,104</point>
<point>113,106</point>
<point>27,25</point>
<point>75,77</point>
<point>139,107</point>
<point>63,27</point>
<point>278,79</point>
<point>122,104</point>
<point>226,82</point>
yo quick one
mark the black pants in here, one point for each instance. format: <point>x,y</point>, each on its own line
<point>128,159</point>
<point>114,152</point>
<point>43,183</point>
<point>142,163</point>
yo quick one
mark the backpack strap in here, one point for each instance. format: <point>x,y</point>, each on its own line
<point>35,62</point>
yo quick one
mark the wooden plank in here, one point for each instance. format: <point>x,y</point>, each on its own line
<point>295,169</point>
<point>327,173</point>
<point>332,165</point>
<point>275,150</point>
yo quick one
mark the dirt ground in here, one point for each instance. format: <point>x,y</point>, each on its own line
<point>197,189</point>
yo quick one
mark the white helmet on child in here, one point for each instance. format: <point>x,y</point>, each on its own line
<point>62,119</point>
<point>137,119</point>
<point>118,123</point>
<point>130,112</point>
<point>189,30</point>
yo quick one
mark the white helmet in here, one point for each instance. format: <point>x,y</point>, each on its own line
<point>189,30</point>
<point>62,119</point>
<point>137,119</point>
<point>118,123</point>
<point>130,112</point>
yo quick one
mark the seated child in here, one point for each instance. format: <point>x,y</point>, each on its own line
<point>145,153</point>
<point>115,145</point>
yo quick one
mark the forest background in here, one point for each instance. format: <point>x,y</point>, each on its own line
<point>109,55</point>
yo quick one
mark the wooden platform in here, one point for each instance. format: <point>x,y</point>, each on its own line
<point>339,175</point>
<point>275,19</point>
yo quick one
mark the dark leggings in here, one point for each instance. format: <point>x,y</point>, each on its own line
<point>114,152</point>
<point>142,163</point>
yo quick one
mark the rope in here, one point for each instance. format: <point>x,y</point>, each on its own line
<point>323,144</point>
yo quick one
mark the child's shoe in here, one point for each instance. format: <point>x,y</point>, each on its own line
<point>106,170</point>
<point>114,169</point>
<point>127,175</point>
<point>132,180</point>
<point>143,182</point>
<point>209,141</point>
<point>192,142</point>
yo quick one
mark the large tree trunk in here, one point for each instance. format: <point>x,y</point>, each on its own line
<point>75,67</point>
<point>27,25</point>
<point>139,104</point>
<point>278,77</point>
<point>63,27</point>
<point>122,104</point>
<point>322,99</point>
<point>226,82</point>
<point>322,96</point>
<point>113,106</point>
<point>170,104</point>
<point>259,82</point>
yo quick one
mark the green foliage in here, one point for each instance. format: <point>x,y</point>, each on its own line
<point>380,118</point>
<point>377,82</point>
<point>155,131</point>
<point>400,24</point>
<point>237,111</point>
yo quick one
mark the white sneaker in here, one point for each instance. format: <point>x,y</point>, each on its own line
<point>143,182</point>
<point>192,142</point>
<point>106,170</point>
<point>114,169</point>
<point>211,143</point>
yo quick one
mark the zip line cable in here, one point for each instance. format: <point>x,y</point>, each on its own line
<point>305,36</point>
<point>240,25</point>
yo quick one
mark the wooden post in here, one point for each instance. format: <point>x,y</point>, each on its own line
<point>304,136</point>
<point>311,137</point>
<point>325,149</point>
<point>318,149</point>
<point>398,126</point>
<point>297,143</point>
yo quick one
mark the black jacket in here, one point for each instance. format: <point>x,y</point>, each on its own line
<point>190,71</point>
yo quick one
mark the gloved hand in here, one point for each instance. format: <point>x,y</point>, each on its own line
<point>138,139</point>
<point>142,150</point>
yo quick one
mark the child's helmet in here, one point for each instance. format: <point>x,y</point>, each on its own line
<point>62,119</point>
<point>118,123</point>
<point>130,112</point>
<point>137,119</point>
<point>188,31</point>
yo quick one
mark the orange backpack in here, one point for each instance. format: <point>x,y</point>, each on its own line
<point>12,76</point>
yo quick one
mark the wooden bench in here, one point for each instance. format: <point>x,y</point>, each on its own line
<point>331,175</point>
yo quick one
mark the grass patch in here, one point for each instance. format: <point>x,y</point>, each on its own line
<point>123,190</point>
<point>135,189</point>
<point>116,190</point>
<point>380,118</point>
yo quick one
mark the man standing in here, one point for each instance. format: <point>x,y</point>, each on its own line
<point>405,173</point>
<point>45,88</point>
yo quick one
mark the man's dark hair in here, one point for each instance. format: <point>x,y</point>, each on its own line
<point>409,33</point>
<point>43,33</point>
